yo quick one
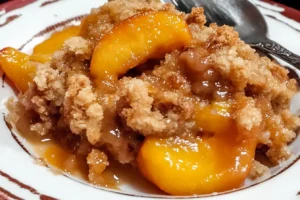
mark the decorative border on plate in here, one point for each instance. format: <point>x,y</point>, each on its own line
<point>16,4</point>
<point>52,28</point>
<point>48,2</point>
<point>26,187</point>
<point>13,5</point>
<point>10,19</point>
<point>279,12</point>
<point>5,195</point>
<point>288,11</point>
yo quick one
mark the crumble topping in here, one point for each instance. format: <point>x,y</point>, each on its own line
<point>160,101</point>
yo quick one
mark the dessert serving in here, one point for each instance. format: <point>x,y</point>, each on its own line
<point>139,84</point>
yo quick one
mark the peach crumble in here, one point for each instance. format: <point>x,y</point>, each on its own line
<point>140,83</point>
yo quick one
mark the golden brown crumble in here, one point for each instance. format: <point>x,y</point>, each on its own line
<point>258,170</point>
<point>139,116</point>
<point>97,161</point>
<point>81,110</point>
<point>161,100</point>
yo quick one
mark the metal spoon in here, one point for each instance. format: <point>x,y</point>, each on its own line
<point>245,18</point>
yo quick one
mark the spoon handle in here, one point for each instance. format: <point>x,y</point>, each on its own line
<point>279,51</point>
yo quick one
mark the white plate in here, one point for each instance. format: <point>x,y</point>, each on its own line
<point>21,177</point>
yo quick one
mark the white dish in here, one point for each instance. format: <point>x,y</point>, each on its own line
<point>21,177</point>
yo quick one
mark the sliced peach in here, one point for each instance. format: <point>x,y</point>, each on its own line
<point>203,165</point>
<point>214,118</point>
<point>137,39</point>
<point>209,164</point>
<point>44,51</point>
<point>16,66</point>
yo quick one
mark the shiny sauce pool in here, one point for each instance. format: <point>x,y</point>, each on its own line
<point>60,160</point>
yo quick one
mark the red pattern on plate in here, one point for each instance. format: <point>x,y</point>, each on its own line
<point>288,11</point>
<point>9,19</point>
<point>5,195</point>
<point>23,186</point>
<point>49,2</point>
<point>15,4</point>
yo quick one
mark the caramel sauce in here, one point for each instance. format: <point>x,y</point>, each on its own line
<point>114,176</point>
<point>61,160</point>
<point>57,157</point>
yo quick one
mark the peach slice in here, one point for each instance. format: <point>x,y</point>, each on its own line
<point>44,51</point>
<point>210,164</point>
<point>214,118</point>
<point>205,165</point>
<point>137,39</point>
<point>16,66</point>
